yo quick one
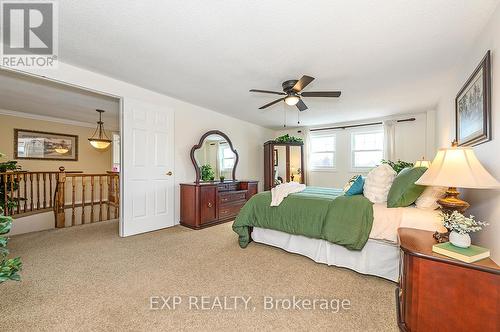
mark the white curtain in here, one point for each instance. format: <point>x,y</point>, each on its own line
<point>389,139</point>
<point>307,149</point>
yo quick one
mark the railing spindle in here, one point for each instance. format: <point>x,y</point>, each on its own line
<point>31,191</point>
<point>5,199</point>
<point>83,200</point>
<point>38,191</point>
<point>50,190</point>
<point>18,207</point>
<point>73,198</point>
<point>44,190</point>
<point>25,193</point>
<point>108,180</point>
<point>11,193</point>
<point>100,198</point>
<point>92,199</point>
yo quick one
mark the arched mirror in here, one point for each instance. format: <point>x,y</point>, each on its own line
<point>214,158</point>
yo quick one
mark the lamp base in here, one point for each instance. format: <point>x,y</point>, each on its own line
<point>451,202</point>
<point>448,204</point>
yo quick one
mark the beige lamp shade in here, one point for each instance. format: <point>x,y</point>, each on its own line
<point>457,167</point>
<point>422,163</point>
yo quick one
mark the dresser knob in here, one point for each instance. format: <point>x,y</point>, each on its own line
<point>209,204</point>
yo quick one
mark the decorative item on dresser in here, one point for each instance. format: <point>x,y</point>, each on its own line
<point>207,201</point>
<point>283,160</point>
<point>437,293</point>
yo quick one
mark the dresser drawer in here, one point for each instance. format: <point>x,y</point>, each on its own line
<point>227,186</point>
<point>230,210</point>
<point>232,196</point>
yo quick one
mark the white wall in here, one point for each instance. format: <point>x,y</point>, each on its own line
<point>414,140</point>
<point>191,122</point>
<point>485,204</point>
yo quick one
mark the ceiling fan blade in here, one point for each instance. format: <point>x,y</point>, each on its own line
<point>271,103</point>
<point>267,91</point>
<point>301,106</point>
<point>302,83</point>
<point>334,94</point>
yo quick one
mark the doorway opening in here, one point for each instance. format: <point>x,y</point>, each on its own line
<point>53,174</point>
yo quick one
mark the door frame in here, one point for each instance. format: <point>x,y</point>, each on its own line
<point>120,122</point>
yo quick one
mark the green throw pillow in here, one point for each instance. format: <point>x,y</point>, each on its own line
<point>404,191</point>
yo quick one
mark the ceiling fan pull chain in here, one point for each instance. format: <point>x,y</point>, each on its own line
<point>298,117</point>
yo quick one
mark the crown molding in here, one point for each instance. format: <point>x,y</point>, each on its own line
<point>50,119</point>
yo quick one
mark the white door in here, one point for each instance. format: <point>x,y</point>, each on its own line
<point>148,166</point>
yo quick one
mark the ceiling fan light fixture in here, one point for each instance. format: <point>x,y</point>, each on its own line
<point>292,100</point>
<point>99,139</point>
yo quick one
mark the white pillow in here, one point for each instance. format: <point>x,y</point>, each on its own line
<point>378,183</point>
<point>428,199</point>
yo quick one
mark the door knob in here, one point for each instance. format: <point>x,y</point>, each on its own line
<point>169,173</point>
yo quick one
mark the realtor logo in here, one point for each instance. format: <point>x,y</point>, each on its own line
<point>29,34</point>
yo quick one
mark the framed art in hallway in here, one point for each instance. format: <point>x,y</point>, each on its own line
<point>40,145</point>
<point>473,107</point>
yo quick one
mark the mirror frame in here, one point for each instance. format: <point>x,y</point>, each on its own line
<point>200,144</point>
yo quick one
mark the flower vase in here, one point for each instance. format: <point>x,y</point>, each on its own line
<point>460,240</point>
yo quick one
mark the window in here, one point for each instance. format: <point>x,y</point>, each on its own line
<point>228,157</point>
<point>322,156</point>
<point>367,149</point>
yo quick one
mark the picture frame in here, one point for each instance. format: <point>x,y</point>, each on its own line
<point>473,107</point>
<point>275,157</point>
<point>41,145</point>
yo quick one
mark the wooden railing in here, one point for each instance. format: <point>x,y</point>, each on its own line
<point>88,197</point>
<point>27,192</point>
<point>81,198</point>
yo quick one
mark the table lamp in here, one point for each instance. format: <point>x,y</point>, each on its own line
<point>457,167</point>
<point>422,163</point>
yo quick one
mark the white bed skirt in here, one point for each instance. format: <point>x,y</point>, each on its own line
<point>377,258</point>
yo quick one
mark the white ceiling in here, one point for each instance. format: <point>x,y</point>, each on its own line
<point>386,56</point>
<point>25,94</point>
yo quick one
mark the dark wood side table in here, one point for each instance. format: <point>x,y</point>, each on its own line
<point>438,293</point>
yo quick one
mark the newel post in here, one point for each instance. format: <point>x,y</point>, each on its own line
<point>60,199</point>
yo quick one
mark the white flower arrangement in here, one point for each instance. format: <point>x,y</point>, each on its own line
<point>461,224</point>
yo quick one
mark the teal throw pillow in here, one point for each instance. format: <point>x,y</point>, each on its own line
<point>354,186</point>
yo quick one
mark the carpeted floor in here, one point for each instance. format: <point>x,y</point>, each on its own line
<point>87,278</point>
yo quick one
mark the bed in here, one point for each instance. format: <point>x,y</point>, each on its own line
<point>367,243</point>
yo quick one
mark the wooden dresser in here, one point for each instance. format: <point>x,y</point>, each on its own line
<point>438,293</point>
<point>205,204</point>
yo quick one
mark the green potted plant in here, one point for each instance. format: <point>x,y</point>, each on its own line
<point>460,226</point>
<point>397,166</point>
<point>9,268</point>
<point>207,173</point>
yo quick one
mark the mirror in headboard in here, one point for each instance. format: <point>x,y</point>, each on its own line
<point>214,157</point>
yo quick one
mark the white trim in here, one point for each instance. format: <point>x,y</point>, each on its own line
<point>47,118</point>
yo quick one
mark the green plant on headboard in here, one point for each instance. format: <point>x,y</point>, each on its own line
<point>207,173</point>
<point>397,166</point>
<point>288,139</point>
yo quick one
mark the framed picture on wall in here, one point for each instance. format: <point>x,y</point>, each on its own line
<point>275,157</point>
<point>30,144</point>
<point>473,107</point>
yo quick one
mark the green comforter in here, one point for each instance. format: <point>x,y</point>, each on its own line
<point>320,213</point>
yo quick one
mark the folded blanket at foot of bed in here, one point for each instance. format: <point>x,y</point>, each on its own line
<point>320,213</point>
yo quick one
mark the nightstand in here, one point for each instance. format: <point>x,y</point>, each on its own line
<point>438,293</point>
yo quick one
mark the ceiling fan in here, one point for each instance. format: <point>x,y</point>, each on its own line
<point>292,90</point>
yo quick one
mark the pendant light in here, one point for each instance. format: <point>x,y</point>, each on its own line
<point>99,140</point>
<point>62,148</point>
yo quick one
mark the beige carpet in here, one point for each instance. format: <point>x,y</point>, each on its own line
<point>87,278</point>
